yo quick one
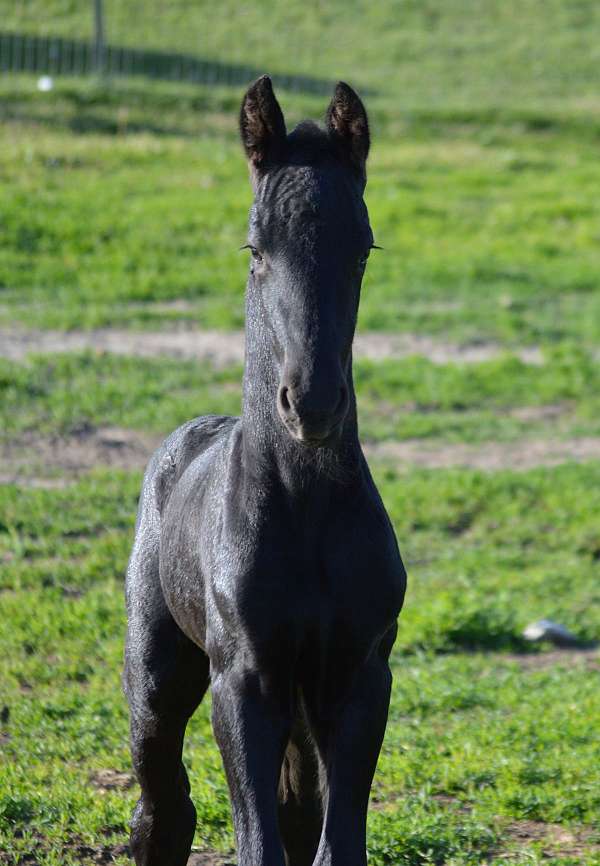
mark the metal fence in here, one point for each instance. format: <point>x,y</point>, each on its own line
<point>55,55</point>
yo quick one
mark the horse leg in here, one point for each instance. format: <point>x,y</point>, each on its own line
<point>166,676</point>
<point>300,802</point>
<point>350,740</point>
<point>251,721</point>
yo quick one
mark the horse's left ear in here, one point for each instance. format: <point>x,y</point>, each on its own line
<point>347,123</point>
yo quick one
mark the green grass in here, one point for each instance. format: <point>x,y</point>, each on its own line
<point>415,52</point>
<point>465,753</point>
<point>116,201</point>
<point>63,393</point>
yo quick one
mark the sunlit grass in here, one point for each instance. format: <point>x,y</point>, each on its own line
<point>465,752</point>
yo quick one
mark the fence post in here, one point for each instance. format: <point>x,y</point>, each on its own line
<point>99,45</point>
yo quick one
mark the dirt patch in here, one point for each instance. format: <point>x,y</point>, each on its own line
<point>554,839</point>
<point>450,802</point>
<point>51,462</point>
<point>521,454</point>
<point>556,658</point>
<point>111,780</point>
<point>106,854</point>
<point>102,854</point>
<point>34,482</point>
<point>216,347</point>
<point>378,346</point>
<point>548,412</point>
<point>85,854</point>
<point>209,858</point>
<point>222,348</point>
<point>35,460</point>
<point>446,801</point>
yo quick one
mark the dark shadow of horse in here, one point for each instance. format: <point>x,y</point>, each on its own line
<point>264,562</point>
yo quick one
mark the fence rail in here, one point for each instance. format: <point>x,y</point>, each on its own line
<point>54,55</point>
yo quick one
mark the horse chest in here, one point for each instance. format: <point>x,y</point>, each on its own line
<point>267,569</point>
<point>283,587</point>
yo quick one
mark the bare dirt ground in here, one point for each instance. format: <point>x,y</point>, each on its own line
<point>103,855</point>
<point>223,348</point>
<point>39,461</point>
<point>521,454</point>
<point>84,854</point>
<point>209,858</point>
<point>571,657</point>
<point>555,840</point>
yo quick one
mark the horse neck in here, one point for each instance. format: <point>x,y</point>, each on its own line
<point>268,448</point>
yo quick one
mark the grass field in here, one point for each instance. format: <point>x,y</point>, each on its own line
<point>411,52</point>
<point>116,201</point>
<point>124,206</point>
<point>467,763</point>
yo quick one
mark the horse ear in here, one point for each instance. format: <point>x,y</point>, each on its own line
<point>262,127</point>
<point>347,123</point>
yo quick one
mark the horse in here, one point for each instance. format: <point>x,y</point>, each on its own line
<point>264,562</point>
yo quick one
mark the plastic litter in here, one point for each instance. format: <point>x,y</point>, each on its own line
<point>545,629</point>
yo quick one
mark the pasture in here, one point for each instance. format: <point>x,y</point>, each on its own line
<point>123,208</point>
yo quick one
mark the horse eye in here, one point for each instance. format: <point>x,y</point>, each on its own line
<point>363,260</point>
<point>256,256</point>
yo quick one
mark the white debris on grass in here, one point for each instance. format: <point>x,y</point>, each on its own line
<point>546,629</point>
<point>45,83</point>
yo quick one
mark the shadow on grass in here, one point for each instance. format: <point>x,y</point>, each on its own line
<point>118,110</point>
<point>87,123</point>
<point>492,123</point>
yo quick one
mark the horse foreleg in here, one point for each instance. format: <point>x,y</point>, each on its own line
<point>350,740</point>
<point>166,676</point>
<point>251,721</point>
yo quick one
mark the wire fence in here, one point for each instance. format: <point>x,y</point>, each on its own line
<point>56,55</point>
<point>174,40</point>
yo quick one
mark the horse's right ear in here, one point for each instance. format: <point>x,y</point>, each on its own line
<point>262,127</point>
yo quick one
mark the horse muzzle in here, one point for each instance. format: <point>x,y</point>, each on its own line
<point>313,419</point>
